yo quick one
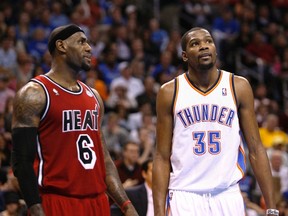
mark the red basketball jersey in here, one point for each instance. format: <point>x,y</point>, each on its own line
<point>70,158</point>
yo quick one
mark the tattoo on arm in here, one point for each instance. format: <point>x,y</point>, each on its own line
<point>28,105</point>
<point>114,185</point>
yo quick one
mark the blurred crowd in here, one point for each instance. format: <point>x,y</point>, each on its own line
<point>136,48</point>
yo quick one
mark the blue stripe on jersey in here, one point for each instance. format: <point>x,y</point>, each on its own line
<point>241,160</point>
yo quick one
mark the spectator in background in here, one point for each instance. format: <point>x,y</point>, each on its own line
<point>158,36</point>
<point>119,97</point>
<point>128,167</point>
<point>8,114</point>
<point>282,205</point>
<point>164,71</point>
<point>140,195</point>
<point>283,118</point>
<point>122,43</point>
<point>8,53</point>
<point>195,13</point>
<point>95,41</point>
<point>146,143</point>
<point>174,46</point>
<point>37,46</point>
<point>43,21</point>
<point>270,131</point>
<point>23,27</point>
<point>137,49</point>
<point>284,63</point>
<point>134,85</point>
<point>252,209</point>
<point>45,62</point>
<point>279,145</point>
<point>57,16</point>
<point>77,17</point>
<point>114,16</point>
<point>263,102</point>
<point>5,150</point>
<point>244,36</point>
<point>13,205</point>
<point>260,56</point>
<point>225,30</point>
<point>279,173</point>
<point>95,11</point>
<point>135,120</point>
<point>18,44</point>
<point>149,95</point>
<point>133,22</point>
<point>263,17</point>
<point>115,135</point>
<point>3,25</point>
<point>24,70</point>
<point>92,80</point>
<point>5,91</point>
<point>108,66</point>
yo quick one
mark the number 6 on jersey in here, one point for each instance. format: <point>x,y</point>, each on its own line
<point>86,154</point>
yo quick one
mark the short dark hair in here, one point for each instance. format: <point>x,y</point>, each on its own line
<point>184,37</point>
<point>130,142</point>
<point>145,164</point>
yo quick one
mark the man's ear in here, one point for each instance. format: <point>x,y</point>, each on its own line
<point>60,45</point>
<point>184,56</point>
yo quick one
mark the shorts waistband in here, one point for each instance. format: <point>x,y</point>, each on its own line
<point>215,192</point>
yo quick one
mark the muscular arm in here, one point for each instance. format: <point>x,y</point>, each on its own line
<point>28,105</point>
<point>114,186</point>
<point>161,164</point>
<point>257,153</point>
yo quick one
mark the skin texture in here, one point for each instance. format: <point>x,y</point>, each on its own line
<point>200,55</point>
<point>71,55</point>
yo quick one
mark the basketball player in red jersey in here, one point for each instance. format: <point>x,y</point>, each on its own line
<point>59,152</point>
<point>202,117</point>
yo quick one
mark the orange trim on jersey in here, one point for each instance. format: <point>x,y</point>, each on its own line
<point>201,92</point>
<point>168,211</point>
<point>232,89</point>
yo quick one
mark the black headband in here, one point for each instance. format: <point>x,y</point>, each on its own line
<point>62,35</point>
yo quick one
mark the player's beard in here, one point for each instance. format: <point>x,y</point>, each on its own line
<point>76,67</point>
<point>85,66</point>
<point>206,66</point>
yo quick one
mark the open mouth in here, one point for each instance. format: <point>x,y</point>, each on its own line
<point>87,58</point>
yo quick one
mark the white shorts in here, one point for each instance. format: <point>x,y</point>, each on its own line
<point>225,203</point>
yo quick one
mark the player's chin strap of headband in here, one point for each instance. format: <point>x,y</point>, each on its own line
<point>62,35</point>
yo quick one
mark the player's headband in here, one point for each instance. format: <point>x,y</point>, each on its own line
<point>62,35</point>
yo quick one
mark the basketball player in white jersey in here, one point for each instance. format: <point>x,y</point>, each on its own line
<point>203,118</point>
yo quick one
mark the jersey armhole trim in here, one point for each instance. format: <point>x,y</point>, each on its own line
<point>175,95</point>
<point>232,86</point>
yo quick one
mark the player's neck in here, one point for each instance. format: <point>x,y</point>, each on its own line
<point>203,79</point>
<point>67,80</point>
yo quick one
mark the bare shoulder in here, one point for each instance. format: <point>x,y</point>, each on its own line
<point>28,104</point>
<point>243,90</point>
<point>242,84</point>
<point>165,98</point>
<point>167,90</point>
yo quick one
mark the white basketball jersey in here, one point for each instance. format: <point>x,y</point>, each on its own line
<point>207,149</point>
